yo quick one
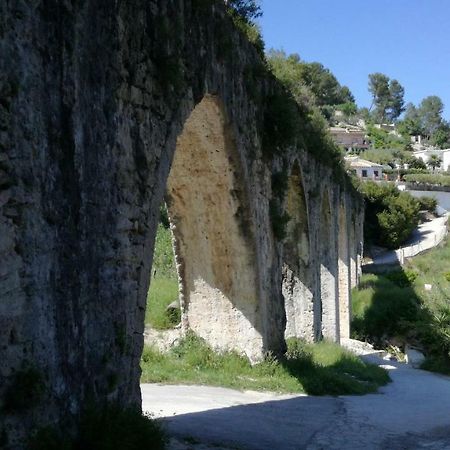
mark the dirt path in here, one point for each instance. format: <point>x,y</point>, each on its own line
<point>411,412</point>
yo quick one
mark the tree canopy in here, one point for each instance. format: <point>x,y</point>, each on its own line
<point>310,83</point>
<point>387,97</point>
<point>247,9</point>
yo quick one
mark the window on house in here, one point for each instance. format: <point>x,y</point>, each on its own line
<point>375,172</point>
<point>364,173</point>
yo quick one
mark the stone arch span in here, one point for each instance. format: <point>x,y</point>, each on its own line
<point>214,241</point>
<point>297,283</point>
<point>93,101</point>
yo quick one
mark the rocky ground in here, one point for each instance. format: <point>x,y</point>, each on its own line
<point>412,412</point>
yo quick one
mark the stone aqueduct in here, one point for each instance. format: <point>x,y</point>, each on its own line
<point>105,107</point>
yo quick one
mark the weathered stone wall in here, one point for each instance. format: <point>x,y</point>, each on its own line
<point>96,98</point>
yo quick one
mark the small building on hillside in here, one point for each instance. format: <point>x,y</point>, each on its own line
<point>350,138</point>
<point>366,170</point>
<point>443,155</point>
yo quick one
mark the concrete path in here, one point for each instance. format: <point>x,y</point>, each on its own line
<point>426,236</point>
<point>412,412</point>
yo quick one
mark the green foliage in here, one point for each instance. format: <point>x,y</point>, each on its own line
<point>310,83</point>
<point>248,10</point>
<point>319,369</point>
<point>163,291</point>
<point>402,278</point>
<point>252,32</point>
<point>164,216</point>
<point>108,428</point>
<point>381,139</point>
<point>427,203</point>
<point>24,392</point>
<point>430,113</point>
<point>163,285</point>
<point>390,215</point>
<point>163,257</point>
<point>387,97</point>
<point>348,109</point>
<point>280,123</point>
<point>398,306</point>
<point>434,179</point>
<point>434,162</point>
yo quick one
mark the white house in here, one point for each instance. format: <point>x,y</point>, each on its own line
<point>425,155</point>
<point>366,170</point>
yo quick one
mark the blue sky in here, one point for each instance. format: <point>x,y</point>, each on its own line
<point>405,39</point>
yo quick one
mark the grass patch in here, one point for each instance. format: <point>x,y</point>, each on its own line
<point>397,307</point>
<point>164,283</point>
<point>317,369</point>
<point>162,292</point>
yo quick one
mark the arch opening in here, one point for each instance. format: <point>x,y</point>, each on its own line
<point>213,239</point>
<point>297,286</point>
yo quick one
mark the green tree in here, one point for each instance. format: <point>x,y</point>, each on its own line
<point>310,83</point>
<point>379,88</point>
<point>430,113</point>
<point>387,97</point>
<point>390,215</point>
<point>434,162</point>
<point>411,124</point>
<point>441,137</point>
<point>396,102</point>
<point>249,10</point>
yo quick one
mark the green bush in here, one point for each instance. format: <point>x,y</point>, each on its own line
<point>396,305</point>
<point>402,278</point>
<point>390,215</point>
<point>427,203</point>
<point>437,179</point>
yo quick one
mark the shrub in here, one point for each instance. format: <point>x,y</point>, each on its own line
<point>427,203</point>
<point>402,278</point>
<point>390,215</point>
<point>441,180</point>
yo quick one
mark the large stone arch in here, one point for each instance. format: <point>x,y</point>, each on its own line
<point>215,248</point>
<point>94,97</point>
<point>297,283</point>
<point>329,296</point>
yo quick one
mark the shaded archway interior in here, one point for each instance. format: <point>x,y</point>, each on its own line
<point>214,244</point>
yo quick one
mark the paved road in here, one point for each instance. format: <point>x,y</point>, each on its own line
<point>412,412</point>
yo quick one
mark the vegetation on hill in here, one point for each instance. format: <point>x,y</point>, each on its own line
<point>319,369</point>
<point>437,179</point>
<point>311,84</point>
<point>390,215</point>
<point>387,98</point>
<point>395,308</point>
